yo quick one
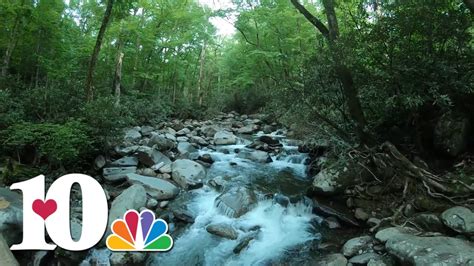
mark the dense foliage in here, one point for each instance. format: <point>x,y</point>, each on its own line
<point>409,61</point>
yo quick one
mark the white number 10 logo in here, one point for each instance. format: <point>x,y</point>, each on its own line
<point>52,212</point>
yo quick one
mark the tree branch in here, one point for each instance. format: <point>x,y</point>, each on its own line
<point>311,18</point>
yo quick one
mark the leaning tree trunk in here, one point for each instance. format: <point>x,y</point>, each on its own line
<point>118,76</point>
<point>331,34</point>
<point>202,61</point>
<point>95,54</point>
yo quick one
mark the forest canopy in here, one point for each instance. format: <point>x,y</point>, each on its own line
<point>358,71</point>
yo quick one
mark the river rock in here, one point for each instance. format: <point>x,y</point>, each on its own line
<point>337,177</point>
<point>132,135</point>
<point>438,250</point>
<point>361,214</point>
<point>269,140</point>
<point>188,174</point>
<point>199,140</point>
<point>429,222</point>
<point>326,211</point>
<point>207,158</point>
<point>460,219</point>
<point>146,130</point>
<point>224,138</point>
<point>248,129</point>
<point>236,201</point>
<point>243,243</point>
<point>159,189</point>
<point>11,215</point>
<point>149,156</point>
<point>114,174</point>
<point>223,230</point>
<point>210,131</point>
<point>256,156</point>
<point>336,259</point>
<point>364,258</point>
<point>99,162</point>
<point>355,245</point>
<point>183,132</point>
<point>186,148</point>
<point>125,161</point>
<point>451,134</point>
<point>6,256</point>
<point>331,223</point>
<point>127,258</point>
<point>162,142</point>
<point>393,232</point>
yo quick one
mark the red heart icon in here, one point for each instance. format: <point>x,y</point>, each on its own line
<point>44,208</point>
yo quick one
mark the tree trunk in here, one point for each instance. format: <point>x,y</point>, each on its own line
<point>331,33</point>
<point>118,75</point>
<point>11,44</point>
<point>202,61</point>
<point>95,54</point>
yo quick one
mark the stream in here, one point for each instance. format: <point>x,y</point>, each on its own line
<point>279,223</point>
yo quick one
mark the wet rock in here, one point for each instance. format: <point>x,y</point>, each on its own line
<point>99,162</point>
<point>150,157</point>
<point>6,256</point>
<point>429,222</point>
<point>222,230</point>
<point>218,183</point>
<point>186,148</point>
<point>162,142</point>
<point>331,223</point>
<point>183,214</point>
<point>363,259</point>
<point>207,158</point>
<point>125,162</point>
<point>361,214</point>
<point>256,156</point>
<point>460,219</point>
<point>332,260</point>
<point>159,189</point>
<point>188,174</point>
<point>359,244</point>
<point>132,135</point>
<point>327,211</point>
<point>224,138</point>
<point>127,258</point>
<point>269,140</point>
<point>236,201</point>
<point>451,134</point>
<point>114,174</point>
<point>437,250</point>
<point>281,199</point>
<point>243,243</point>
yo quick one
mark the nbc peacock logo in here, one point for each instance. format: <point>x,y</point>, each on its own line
<point>139,232</point>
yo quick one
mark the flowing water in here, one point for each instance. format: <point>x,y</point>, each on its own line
<point>281,230</point>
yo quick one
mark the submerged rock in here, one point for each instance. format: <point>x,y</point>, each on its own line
<point>243,243</point>
<point>188,174</point>
<point>222,230</point>
<point>236,201</point>
<point>460,219</point>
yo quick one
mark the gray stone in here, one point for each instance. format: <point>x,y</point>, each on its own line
<point>256,156</point>
<point>364,258</point>
<point>429,222</point>
<point>183,132</point>
<point>392,232</point>
<point>159,189</point>
<point>198,140</point>
<point>243,243</point>
<point>188,174</point>
<point>326,211</point>
<point>185,148</point>
<point>437,250</point>
<point>236,201</point>
<point>132,135</point>
<point>127,258</point>
<point>331,223</point>
<point>149,156</point>
<point>182,139</point>
<point>337,177</point>
<point>114,174</point>
<point>99,162</point>
<point>460,219</point>
<point>6,256</point>
<point>355,245</point>
<point>332,260</point>
<point>209,131</point>
<point>223,230</point>
<point>224,138</point>
<point>146,130</point>
<point>161,142</point>
<point>361,214</point>
<point>147,172</point>
<point>248,129</point>
<point>125,161</point>
<point>151,203</point>
<point>11,215</point>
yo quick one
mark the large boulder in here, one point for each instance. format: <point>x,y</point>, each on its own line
<point>114,174</point>
<point>161,142</point>
<point>209,130</point>
<point>256,156</point>
<point>236,201</point>
<point>150,157</point>
<point>6,256</point>
<point>186,148</point>
<point>188,174</point>
<point>439,250</point>
<point>11,215</point>
<point>224,138</point>
<point>460,219</point>
<point>451,133</point>
<point>223,230</point>
<point>341,174</point>
<point>159,189</point>
<point>355,245</point>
